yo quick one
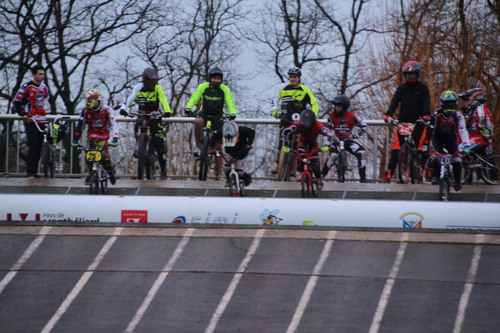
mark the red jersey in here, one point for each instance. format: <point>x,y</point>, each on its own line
<point>101,125</point>
<point>480,125</point>
<point>343,125</point>
<point>309,135</point>
<point>31,100</point>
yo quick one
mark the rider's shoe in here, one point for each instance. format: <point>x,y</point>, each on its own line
<point>247,179</point>
<point>320,183</point>
<point>218,177</point>
<point>112,178</point>
<point>387,178</point>
<point>87,180</point>
<point>196,152</point>
<point>435,181</point>
<point>32,175</point>
<point>293,178</point>
<point>163,175</point>
<point>363,180</point>
<point>274,168</point>
<point>458,186</point>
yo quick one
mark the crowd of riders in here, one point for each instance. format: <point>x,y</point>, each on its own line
<point>449,128</point>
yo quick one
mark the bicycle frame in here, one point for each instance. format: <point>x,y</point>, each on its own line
<point>207,156</point>
<point>236,185</point>
<point>47,152</point>
<point>309,185</point>
<point>486,168</point>
<point>98,176</point>
<point>408,160</point>
<point>285,159</point>
<point>146,156</point>
<point>445,174</point>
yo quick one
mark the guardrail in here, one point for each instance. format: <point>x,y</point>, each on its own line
<point>179,142</point>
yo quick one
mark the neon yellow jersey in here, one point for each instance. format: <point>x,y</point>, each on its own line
<point>212,100</point>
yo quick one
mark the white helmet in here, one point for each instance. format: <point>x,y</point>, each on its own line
<point>229,134</point>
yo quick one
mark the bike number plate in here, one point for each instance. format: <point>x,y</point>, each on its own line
<point>445,159</point>
<point>93,156</point>
<point>405,128</point>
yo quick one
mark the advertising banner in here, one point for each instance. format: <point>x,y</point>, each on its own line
<point>74,209</point>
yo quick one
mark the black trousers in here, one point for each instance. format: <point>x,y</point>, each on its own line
<point>35,141</point>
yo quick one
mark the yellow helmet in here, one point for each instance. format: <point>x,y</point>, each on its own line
<point>94,100</point>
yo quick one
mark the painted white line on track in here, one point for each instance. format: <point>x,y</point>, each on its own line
<point>25,256</point>
<point>471,277</point>
<point>82,282</point>
<point>311,284</point>
<point>234,282</point>
<point>389,283</point>
<point>159,281</point>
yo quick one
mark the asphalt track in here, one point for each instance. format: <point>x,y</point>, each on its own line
<point>179,278</point>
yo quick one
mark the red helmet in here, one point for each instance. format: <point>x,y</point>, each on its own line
<point>473,97</point>
<point>412,67</point>
<point>307,118</point>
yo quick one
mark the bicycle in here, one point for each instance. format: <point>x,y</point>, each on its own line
<point>285,158</point>
<point>52,134</point>
<point>409,164</point>
<point>207,153</point>
<point>145,153</point>
<point>309,186</point>
<point>98,176</point>
<point>484,167</point>
<point>236,183</point>
<point>445,174</point>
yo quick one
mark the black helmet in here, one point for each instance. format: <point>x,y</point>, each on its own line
<point>150,77</point>
<point>307,118</point>
<point>449,101</point>
<point>215,71</point>
<point>412,67</point>
<point>343,101</point>
<point>295,71</point>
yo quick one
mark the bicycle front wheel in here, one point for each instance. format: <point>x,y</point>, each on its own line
<point>204,159</point>
<point>490,169</point>
<point>305,185</point>
<point>141,154</point>
<point>341,166</point>
<point>404,164</point>
<point>47,161</point>
<point>104,181</point>
<point>150,163</point>
<point>234,191</point>
<point>444,189</point>
<point>93,183</point>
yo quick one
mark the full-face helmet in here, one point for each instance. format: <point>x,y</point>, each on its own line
<point>473,97</point>
<point>229,134</point>
<point>150,77</point>
<point>93,100</point>
<point>340,100</point>
<point>411,67</point>
<point>307,118</point>
<point>449,102</point>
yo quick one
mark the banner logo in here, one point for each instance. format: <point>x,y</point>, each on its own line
<point>179,219</point>
<point>134,216</point>
<point>412,220</point>
<point>268,217</point>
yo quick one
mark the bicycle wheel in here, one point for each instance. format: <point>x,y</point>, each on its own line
<point>305,185</point>
<point>416,167</point>
<point>490,169</point>
<point>150,162</point>
<point>341,166</point>
<point>103,181</point>
<point>444,188</point>
<point>233,186</point>
<point>287,167</point>
<point>141,154</point>
<point>204,159</point>
<point>93,183</point>
<point>281,162</point>
<point>404,164</point>
<point>467,170</point>
<point>47,161</point>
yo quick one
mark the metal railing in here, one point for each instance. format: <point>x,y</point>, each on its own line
<point>180,161</point>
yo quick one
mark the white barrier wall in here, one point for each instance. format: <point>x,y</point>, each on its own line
<point>215,210</point>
